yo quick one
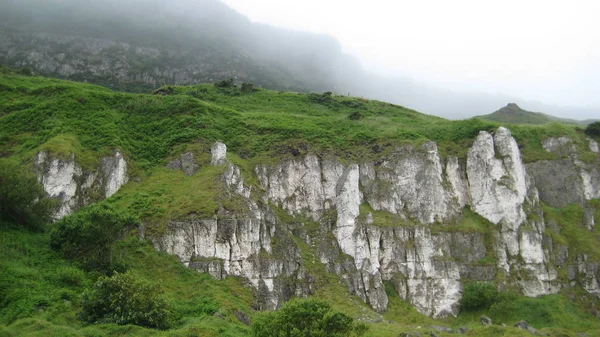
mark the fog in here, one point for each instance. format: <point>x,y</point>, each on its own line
<point>533,50</point>
<point>455,59</point>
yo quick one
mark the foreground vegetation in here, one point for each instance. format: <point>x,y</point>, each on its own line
<point>91,275</point>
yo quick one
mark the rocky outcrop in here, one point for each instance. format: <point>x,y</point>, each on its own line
<point>74,187</point>
<point>186,163</point>
<point>219,154</point>
<point>381,221</point>
<point>567,180</point>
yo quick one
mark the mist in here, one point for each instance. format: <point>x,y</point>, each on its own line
<point>452,60</point>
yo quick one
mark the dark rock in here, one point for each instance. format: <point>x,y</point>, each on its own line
<point>242,317</point>
<point>485,320</point>
<point>174,165</point>
<point>559,182</point>
<point>524,326</point>
<point>463,330</point>
<point>188,163</point>
<point>410,334</point>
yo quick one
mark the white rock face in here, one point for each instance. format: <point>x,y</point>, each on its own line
<point>219,154</point>
<point>115,171</point>
<point>426,269</point>
<point>348,209</point>
<point>411,186</point>
<point>593,145</point>
<point>497,178</point>
<point>430,279</point>
<point>59,181</point>
<point>302,185</point>
<point>458,182</point>
<point>66,181</point>
<point>240,247</point>
<point>553,144</point>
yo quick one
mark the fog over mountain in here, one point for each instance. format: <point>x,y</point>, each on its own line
<point>142,44</point>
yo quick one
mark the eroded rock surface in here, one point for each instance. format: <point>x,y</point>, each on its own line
<point>74,187</point>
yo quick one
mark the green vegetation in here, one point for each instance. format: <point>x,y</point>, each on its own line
<point>89,235</point>
<point>593,130</point>
<point>306,318</point>
<point>478,296</point>
<point>571,231</point>
<point>125,299</point>
<point>22,200</point>
<point>53,282</point>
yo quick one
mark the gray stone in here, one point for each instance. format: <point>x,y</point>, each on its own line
<point>524,326</point>
<point>219,154</point>
<point>188,163</point>
<point>174,165</point>
<point>485,320</point>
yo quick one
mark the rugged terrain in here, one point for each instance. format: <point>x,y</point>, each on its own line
<point>379,209</point>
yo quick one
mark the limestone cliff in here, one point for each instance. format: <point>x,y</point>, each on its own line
<point>426,266</point>
<point>396,219</point>
<point>74,187</point>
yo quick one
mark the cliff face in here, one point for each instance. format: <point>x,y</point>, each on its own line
<point>65,180</point>
<point>393,220</point>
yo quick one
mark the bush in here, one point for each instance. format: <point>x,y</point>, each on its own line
<point>308,317</point>
<point>479,296</point>
<point>248,88</point>
<point>22,200</point>
<point>356,115</point>
<point>593,129</point>
<point>88,236</point>
<point>225,84</point>
<point>125,299</point>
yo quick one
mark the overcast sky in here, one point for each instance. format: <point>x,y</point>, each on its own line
<point>543,50</point>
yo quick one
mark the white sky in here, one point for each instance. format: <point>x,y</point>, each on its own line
<point>545,50</point>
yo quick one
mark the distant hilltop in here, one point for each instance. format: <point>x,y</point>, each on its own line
<point>514,114</point>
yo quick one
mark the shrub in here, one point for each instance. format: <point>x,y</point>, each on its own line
<point>22,200</point>
<point>225,84</point>
<point>248,87</point>
<point>88,236</point>
<point>308,317</point>
<point>478,296</point>
<point>356,115</point>
<point>593,129</point>
<point>125,299</point>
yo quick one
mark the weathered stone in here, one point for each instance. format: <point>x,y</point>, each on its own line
<point>65,180</point>
<point>485,320</point>
<point>188,163</point>
<point>174,165</point>
<point>219,154</point>
<point>562,146</point>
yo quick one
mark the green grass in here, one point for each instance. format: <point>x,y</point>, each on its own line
<point>571,231</point>
<point>63,117</point>
<point>40,292</point>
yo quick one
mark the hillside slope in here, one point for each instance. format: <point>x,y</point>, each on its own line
<point>366,204</point>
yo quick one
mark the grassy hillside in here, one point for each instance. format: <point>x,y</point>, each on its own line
<point>513,114</point>
<point>40,292</point>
